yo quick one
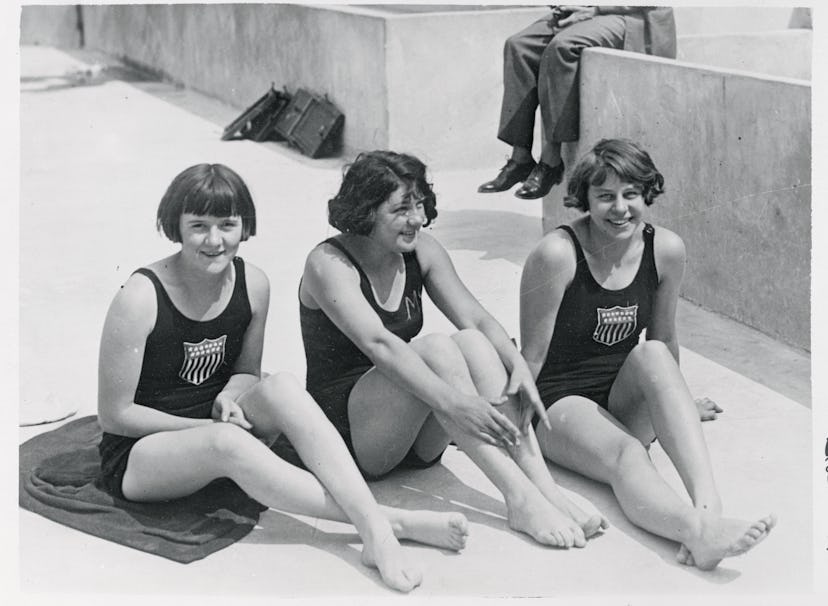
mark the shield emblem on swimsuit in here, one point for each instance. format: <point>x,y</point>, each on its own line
<point>615,324</point>
<point>202,360</point>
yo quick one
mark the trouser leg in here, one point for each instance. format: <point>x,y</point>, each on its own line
<point>557,83</point>
<point>521,60</point>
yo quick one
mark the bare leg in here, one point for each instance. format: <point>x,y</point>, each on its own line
<point>280,404</point>
<point>168,465</point>
<point>587,439</point>
<point>386,421</point>
<point>490,380</point>
<point>651,398</point>
<point>161,467</point>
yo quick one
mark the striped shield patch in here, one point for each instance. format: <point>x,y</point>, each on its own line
<point>615,324</point>
<point>201,360</point>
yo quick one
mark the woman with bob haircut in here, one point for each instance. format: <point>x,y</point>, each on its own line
<point>181,397</point>
<point>397,400</point>
<point>588,289</point>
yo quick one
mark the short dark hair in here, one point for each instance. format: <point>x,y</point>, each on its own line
<point>626,159</point>
<point>368,182</point>
<point>206,189</point>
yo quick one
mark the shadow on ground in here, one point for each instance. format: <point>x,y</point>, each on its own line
<point>440,489</point>
<point>498,234</point>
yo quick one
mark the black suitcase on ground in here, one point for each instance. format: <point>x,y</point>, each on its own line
<point>311,123</point>
<point>257,121</point>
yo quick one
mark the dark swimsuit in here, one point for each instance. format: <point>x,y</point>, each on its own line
<point>596,329</point>
<point>186,365</point>
<point>335,363</point>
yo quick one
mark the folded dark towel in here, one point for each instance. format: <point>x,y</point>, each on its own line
<point>58,479</point>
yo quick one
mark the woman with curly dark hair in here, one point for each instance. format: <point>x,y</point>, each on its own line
<point>399,400</point>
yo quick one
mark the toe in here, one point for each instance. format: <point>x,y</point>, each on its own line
<point>684,556</point>
<point>549,538</point>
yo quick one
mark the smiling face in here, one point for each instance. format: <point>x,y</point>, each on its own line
<point>210,243</point>
<point>616,207</point>
<point>398,220</point>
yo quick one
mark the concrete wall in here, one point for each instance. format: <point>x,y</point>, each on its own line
<point>234,52</point>
<point>380,67</point>
<point>692,20</point>
<point>422,79</point>
<point>445,82</point>
<point>784,53</point>
<point>50,26</point>
<point>735,151</point>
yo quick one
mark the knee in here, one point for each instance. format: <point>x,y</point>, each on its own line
<point>628,453</point>
<point>511,48</point>
<point>471,338</point>
<point>650,354</point>
<point>226,442</point>
<point>562,49</point>
<point>288,405</point>
<point>282,385</point>
<point>440,350</point>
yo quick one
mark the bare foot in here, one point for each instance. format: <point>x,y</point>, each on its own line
<point>685,557</point>
<point>382,551</point>
<point>591,524</point>
<point>710,504</point>
<point>446,530</point>
<point>721,538</point>
<point>544,522</point>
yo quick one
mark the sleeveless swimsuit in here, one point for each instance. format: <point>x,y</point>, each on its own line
<point>335,363</point>
<point>186,365</point>
<point>596,328</point>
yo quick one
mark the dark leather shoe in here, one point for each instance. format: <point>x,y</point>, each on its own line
<point>509,175</point>
<point>540,181</point>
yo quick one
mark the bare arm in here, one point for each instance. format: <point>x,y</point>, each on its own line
<point>548,271</point>
<point>130,319</point>
<point>248,367</point>
<point>332,282</point>
<point>671,257</point>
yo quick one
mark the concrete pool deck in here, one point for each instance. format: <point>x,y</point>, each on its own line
<point>97,150</point>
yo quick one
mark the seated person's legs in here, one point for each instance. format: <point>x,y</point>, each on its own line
<point>557,93</point>
<point>379,412</point>
<point>521,59</point>
<point>587,439</point>
<point>491,380</point>
<point>651,399</point>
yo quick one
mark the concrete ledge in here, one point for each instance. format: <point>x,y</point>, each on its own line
<point>783,53</point>
<point>693,20</point>
<point>735,151</point>
<point>420,78</point>
<point>379,65</point>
